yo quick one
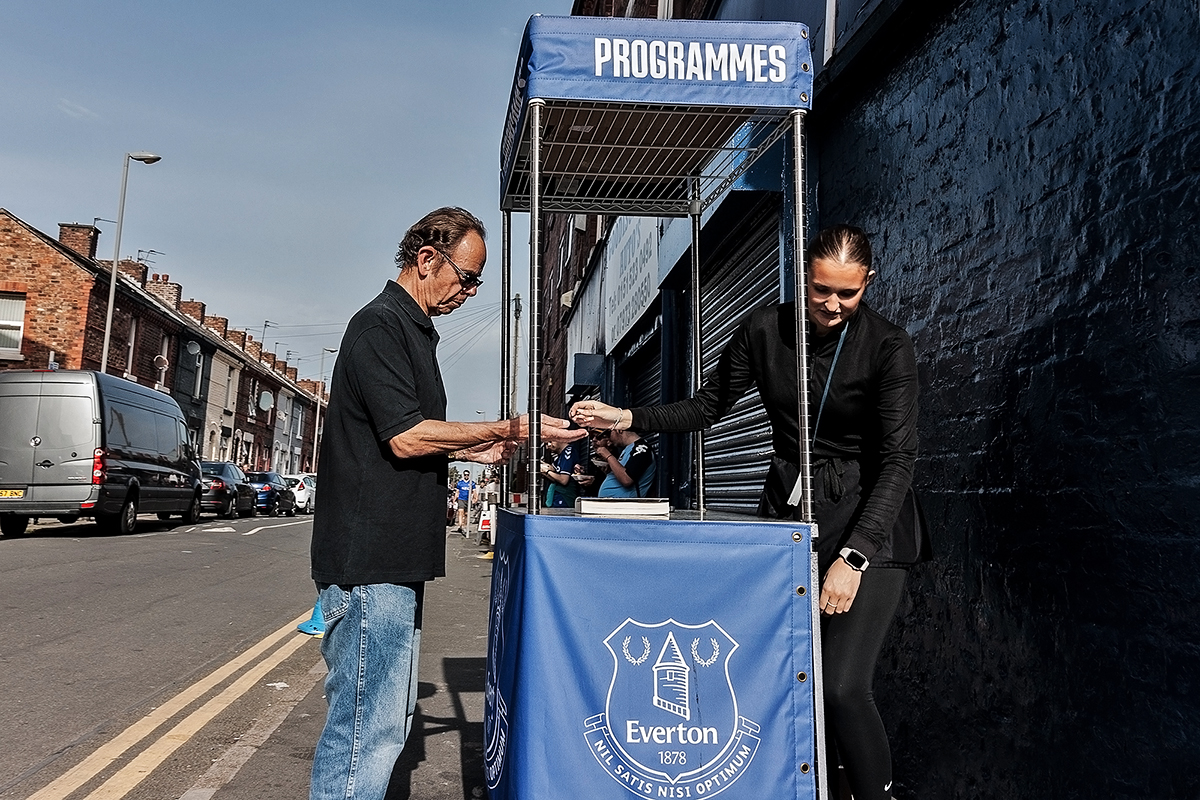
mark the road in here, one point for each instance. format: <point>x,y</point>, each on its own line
<point>166,664</point>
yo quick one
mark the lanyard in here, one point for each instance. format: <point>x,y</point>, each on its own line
<point>798,488</point>
<point>829,378</point>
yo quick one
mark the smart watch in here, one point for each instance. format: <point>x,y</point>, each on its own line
<point>857,561</point>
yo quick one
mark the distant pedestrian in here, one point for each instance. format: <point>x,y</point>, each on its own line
<point>466,496</point>
<point>378,534</point>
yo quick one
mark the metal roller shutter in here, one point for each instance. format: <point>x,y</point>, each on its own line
<point>642,372</point>
<point>737,450</point>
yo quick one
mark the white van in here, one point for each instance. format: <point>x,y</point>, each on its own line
<point>76,443</point>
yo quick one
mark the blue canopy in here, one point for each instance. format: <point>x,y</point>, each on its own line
<point>637,108</point>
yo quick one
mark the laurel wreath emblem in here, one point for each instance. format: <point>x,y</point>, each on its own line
<point>645,651</point>
<point>709,662</point>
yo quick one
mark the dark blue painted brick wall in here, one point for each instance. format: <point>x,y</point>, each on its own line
<point>1030,174</point>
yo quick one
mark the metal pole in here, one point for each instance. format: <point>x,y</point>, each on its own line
<point>506,409</point>
<point>535,296</point>
<point>516,353</point>
<point>697,339</point>
<point>801,291</point>
<point>818,666</point>
<point>112,279</point>
<point>145,158</point>
<point>800,271</point>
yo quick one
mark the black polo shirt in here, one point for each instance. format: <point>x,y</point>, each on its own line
<point>381,519</point>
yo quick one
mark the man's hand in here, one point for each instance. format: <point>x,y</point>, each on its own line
<point>553,429</point>
<point>487,453</point>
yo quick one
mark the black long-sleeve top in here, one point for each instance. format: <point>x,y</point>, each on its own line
<point>870,415</point>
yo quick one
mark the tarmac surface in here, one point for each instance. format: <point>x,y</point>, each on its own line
<point>443,759</point>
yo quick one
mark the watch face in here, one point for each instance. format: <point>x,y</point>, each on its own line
<point>855,559</point>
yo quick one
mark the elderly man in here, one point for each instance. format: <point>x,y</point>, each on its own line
<point>379,531</point>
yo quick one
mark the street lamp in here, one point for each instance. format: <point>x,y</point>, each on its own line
<point>145,158</point>
<point>320,401</point>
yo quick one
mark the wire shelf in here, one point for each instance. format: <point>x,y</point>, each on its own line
<point>639,159</point>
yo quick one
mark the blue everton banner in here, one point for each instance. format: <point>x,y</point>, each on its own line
<point>658,659</point>
<point>751,65</point>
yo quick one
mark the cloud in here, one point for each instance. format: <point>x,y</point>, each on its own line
<point>76,111</point>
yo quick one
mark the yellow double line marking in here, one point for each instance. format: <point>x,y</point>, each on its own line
<point>133,773</point>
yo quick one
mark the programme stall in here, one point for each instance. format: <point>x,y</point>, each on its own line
<point>673,657</point>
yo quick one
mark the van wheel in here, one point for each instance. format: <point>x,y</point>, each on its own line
<point>192,515</point>
<point>123,522</point>
<point>13,524</point>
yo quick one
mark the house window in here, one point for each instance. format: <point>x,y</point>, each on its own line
<point>130,345</point>
<point>252,401</point>
<point>162,362</point>
<point>196,381</point>
<point>12,324</point>
<point>229,394</point>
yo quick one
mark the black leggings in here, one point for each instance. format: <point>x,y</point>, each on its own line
<point>850,644</point>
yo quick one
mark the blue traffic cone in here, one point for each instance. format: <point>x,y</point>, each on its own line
<point>315,625</point>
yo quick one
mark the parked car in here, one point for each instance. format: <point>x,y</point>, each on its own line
<point>274,496</point>
<point>305,489</point>
<point>226,490</point>
<point>77,443</point>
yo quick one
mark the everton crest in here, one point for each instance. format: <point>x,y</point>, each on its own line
<point>671,727</point>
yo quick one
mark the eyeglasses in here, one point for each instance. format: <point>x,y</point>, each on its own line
<point>467,280</point>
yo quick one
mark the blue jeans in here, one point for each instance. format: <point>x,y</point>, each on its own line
<point>372,644</point>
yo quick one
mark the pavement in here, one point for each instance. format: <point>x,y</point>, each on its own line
<point>443,759</point>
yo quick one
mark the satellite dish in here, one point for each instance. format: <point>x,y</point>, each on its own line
<point>266,401</point>
<point>193,348</point>
<point>160,361</point>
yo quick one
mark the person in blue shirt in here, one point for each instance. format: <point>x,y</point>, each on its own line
<point>562,473</point>
<point>466,490</point>
<point>630,462</point>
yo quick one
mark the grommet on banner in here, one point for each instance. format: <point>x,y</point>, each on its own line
<point>800,590</point>
<point>802,676</point>
<point>804,768</point>
<point>797,536</point>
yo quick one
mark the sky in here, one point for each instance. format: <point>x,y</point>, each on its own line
<point>299,141</point>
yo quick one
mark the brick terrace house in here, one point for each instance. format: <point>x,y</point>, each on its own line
<point>53,303</point>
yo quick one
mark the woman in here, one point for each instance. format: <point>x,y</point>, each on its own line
<point>863,370</point>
